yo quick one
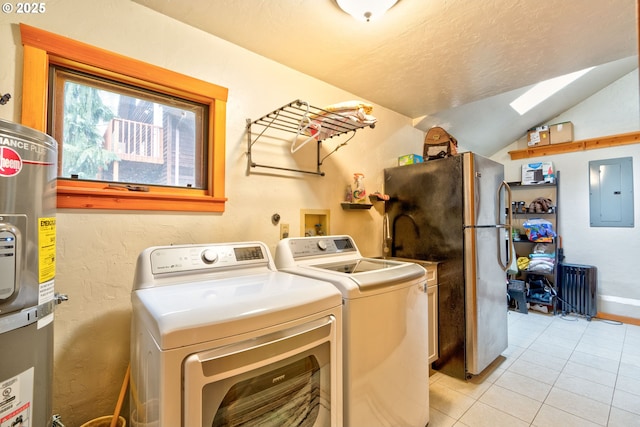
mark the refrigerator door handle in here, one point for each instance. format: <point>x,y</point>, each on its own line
<point>508,226</point>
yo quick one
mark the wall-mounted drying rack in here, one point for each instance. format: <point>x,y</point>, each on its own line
<point>304,121</point>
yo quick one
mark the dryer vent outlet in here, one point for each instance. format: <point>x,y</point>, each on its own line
<point>284,231</point>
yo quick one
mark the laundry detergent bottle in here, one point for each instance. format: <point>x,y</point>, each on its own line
<point>359,193</point>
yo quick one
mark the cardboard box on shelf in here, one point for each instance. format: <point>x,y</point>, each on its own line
<point>409,159</point>
<point>538,136</point>
<point>561,132</point>
<point>537,173</point>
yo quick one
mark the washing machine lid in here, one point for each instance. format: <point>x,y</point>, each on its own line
<point>337,259</point>
<point>187,314</point>
<point>360,265</point>
<point>362,276</point>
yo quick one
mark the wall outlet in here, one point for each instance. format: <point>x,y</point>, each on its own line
<point>284,231</point>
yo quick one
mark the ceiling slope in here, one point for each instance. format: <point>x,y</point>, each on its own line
<point>454,61</point>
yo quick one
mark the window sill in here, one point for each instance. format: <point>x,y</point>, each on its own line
<point>99,196</point>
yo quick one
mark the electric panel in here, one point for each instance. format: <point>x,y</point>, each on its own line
<point>611,192</point>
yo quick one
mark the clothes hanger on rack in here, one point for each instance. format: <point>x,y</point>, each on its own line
<point>305,126</point>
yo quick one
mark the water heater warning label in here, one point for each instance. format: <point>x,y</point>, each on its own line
<point>46,249</point>
<point>15,400</point>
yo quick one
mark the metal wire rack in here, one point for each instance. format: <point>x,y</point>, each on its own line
<point>298,117</point>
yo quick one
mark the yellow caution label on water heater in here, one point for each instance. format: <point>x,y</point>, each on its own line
<point>46,249</point>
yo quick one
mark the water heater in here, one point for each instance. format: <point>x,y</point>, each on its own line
<point>28,160</point>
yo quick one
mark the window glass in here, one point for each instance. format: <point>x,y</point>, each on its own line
<point>112,132</point>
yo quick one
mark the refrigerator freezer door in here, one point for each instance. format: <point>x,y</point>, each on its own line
<point>482,179</point>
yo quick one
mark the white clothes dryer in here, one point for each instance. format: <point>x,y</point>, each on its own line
<point>385,328</point>
<point>219,337</point>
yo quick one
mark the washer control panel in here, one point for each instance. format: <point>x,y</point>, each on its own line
<point>174,259</point>
<point>321,245</point>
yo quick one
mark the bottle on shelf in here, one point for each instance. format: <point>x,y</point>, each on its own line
<point>359,192</point>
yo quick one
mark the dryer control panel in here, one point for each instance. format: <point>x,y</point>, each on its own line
<point>178,259</point>
<point>158,262</point>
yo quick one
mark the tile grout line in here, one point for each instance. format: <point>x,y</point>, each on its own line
<point>528,347</point>
<point>615,384</point>
<point>610,405</point>
<point>554,319</point>
<point>531,424</point>
<point>584,336</point>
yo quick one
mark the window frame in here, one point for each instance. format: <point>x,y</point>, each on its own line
<point>42,49</point>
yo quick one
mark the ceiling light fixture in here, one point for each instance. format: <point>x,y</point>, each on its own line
<point>544,90</point>
<point>366,10</point>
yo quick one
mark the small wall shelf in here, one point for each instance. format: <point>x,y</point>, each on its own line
<point>314,222</point>
<point>530,186</point>
<point>569,147</point>
<point>377,197</point>
<point>295,116</point>
<point>355,206</point>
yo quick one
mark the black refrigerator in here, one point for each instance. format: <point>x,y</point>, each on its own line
<point>452,210</point>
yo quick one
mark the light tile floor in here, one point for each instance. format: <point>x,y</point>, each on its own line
<point>557,371</point>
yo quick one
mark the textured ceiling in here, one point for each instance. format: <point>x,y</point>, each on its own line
<point>432,57</point>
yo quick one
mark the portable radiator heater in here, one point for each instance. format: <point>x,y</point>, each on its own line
<point>577,289</point>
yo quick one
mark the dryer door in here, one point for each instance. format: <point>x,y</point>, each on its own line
<point>283,378</point>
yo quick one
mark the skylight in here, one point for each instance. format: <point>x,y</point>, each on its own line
<point>544,90</point>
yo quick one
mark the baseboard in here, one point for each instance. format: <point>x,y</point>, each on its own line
<point>623,319</point>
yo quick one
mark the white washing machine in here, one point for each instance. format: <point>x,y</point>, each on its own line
<point>219,337</point>
<point>385,328</point>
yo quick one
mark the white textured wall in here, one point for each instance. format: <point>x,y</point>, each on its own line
<point>613,250</point>
<point>97,249</point>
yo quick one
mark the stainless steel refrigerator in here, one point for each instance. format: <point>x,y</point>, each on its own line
<point>452,210</point>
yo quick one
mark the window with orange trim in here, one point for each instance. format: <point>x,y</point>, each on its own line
<point>132,136</point>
